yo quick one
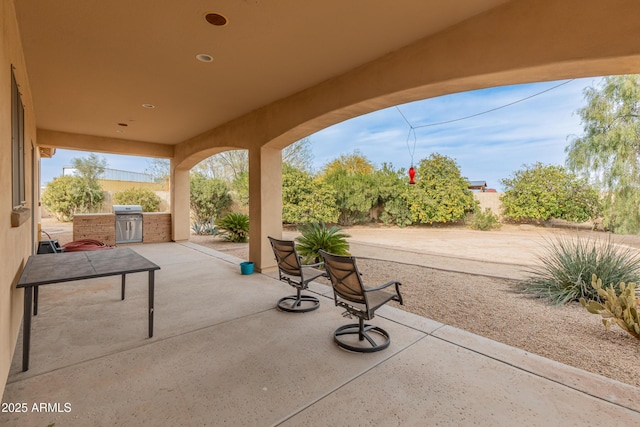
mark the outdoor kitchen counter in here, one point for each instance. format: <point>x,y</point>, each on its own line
<point>156,227</point>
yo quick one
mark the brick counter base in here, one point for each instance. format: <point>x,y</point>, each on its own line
<point>100,227</point>
<point>156,227</point>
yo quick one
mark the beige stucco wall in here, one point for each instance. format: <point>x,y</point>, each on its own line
<point>489,200</point>
<point>16,242</point>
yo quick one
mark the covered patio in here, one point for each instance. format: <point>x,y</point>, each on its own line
<point>183,82</point>
<point>222,354</point>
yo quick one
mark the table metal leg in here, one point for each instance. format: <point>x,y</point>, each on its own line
<point>151,292</point>
<point>123,283</point>
<point>26,332</point>
<point>35,300</point>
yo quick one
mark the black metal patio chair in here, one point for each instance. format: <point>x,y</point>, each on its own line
<point>292,271</point>
<point>351,294</point>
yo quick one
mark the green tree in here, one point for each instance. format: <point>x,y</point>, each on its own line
<point>352,164</point>
<point>240,186</point>
<point>608,152</point>
<point>539,193</point>
<point>305,199</point>
<point>209,197</point>
<point>355,195</point>
<point>351,177</point>
<point>147,199</point>
<point>441,193</point>
<point>68,195</point>
<point>391,185</point>
<point>89,168</point>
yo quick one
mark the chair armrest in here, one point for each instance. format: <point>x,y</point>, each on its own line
<point>397,297</point>
<point>386,285</point>
<point>317,264</point>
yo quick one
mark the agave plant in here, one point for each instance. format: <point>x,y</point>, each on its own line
<point>565,269</point>
<point>316,236</point>
<point>234,226</point>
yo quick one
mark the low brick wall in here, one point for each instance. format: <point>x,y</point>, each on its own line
<point>100,227</point>
<point>156,227</point>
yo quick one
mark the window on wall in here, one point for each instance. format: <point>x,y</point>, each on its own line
<point>17,145</point>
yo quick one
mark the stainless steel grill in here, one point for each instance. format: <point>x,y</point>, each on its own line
<point>128,223</point>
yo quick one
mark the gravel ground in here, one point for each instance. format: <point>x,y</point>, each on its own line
<point>493,308</point>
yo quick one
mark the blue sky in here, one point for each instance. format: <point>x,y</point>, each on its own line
<point>487,147</point>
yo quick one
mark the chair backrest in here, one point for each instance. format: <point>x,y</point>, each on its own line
<point>345,277</point>
<point>286,256</point>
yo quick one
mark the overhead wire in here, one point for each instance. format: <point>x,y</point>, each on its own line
<point>412,128</point>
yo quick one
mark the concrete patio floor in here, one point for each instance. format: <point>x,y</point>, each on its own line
<point>222,354</point>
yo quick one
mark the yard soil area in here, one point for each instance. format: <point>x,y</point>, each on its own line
<point>467,279</point>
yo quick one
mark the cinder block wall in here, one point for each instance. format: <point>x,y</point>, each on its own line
<point>156,227</point>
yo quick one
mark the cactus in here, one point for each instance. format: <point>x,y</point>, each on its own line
<point>621,310</point>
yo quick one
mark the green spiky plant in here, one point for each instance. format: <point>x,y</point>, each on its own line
<point>621,310</point>
<point>565,269</point>
<point>316,236</point>
<point>234,226</point>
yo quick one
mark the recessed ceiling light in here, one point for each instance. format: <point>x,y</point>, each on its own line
<point>203,57</point>
<point>216,19</point>
<point>148,106</point>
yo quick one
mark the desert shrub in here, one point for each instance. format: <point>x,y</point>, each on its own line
<point>355,195</point>
<point>567,265</point>
<point>441,193</point>
<point>484,220</point>
<point>68,195</point>
<point>619,308</point>
<point>147,199</point>
<point>306,199</point>
<point>316,236</point>
<point>209,197</point>
<point>391,185</point>
<point>540,192</point>
<point>234,226</point>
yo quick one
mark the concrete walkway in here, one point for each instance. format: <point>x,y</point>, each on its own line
<point>223,355</point>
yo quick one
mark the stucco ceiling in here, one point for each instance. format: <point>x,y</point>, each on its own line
<point>93,64</point>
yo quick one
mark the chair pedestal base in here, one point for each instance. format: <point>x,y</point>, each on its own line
<point>363,331</point>
<point>298,303</point>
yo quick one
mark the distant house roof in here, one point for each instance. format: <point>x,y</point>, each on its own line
<point>477,185</point>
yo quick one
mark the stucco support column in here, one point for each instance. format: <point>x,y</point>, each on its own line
<point>265,204</point>
<point>180,222</point>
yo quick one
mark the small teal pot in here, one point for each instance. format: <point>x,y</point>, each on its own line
<point>246,267</point>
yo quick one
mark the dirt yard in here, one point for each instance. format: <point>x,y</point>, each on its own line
<point>466,279</point>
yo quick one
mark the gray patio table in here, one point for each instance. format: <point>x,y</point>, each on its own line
<point>45,269</point>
